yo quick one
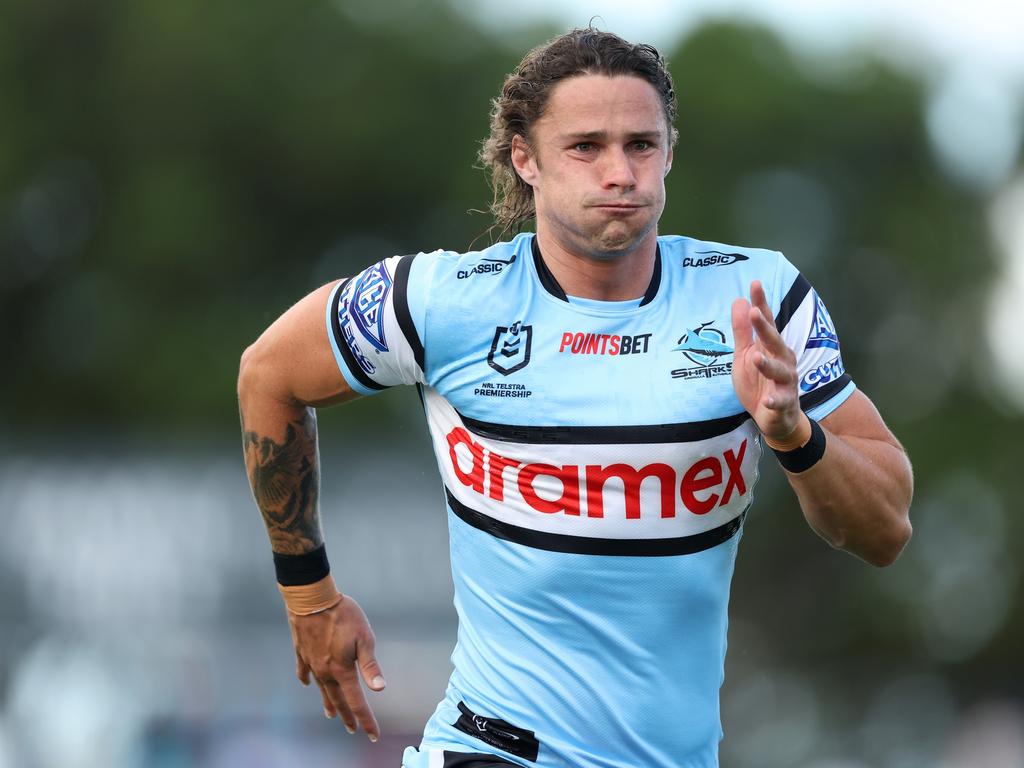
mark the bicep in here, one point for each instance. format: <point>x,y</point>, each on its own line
<point>292,361</point>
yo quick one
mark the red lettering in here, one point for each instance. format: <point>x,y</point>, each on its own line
<point>692,483</point>
<point>475,477</point>
<point>569,476</point>
<point>566,341</point>
<point>592,340</point>
<point>577,343</point>
<point>613,348</point>
<point>496,463</point>
<point>604,342</point>
<point>734,463</point>
<point>632,479</point>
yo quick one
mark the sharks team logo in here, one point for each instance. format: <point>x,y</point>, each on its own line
<point>705,347</point>
<point>510,350</point>
<point>823,330</point>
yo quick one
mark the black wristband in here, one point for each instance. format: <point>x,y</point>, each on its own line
<point>803,458</point>
<point>297,570</point>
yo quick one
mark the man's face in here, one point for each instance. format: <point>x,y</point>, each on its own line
<point>597,160</point>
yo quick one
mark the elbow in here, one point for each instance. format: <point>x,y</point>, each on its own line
<point>891,545</point>
<point>251,369</point>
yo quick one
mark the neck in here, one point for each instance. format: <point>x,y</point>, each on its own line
<point>621,278</point>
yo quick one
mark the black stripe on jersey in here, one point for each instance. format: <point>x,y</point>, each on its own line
<point>402,313</point>
<point>586,545</point>
<point>546,278</point>
<point>652,289</point>
<point>551,284</point>
<point>474,760</point>
<point>686,432</point>
<point>346,353</point>
<point>791,301</point>
<point>823,393</point>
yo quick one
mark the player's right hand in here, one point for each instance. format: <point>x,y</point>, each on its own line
<point>335,647</point>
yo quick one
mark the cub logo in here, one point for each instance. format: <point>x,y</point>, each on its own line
<point>510,349</point>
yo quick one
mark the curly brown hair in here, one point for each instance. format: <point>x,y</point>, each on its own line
<point>526,91</point>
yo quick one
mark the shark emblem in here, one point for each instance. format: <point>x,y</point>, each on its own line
<point>703,344</point>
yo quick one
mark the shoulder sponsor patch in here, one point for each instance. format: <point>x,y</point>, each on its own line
<point>823,331</point>
<point>822,374</point>
<point>367,305</point>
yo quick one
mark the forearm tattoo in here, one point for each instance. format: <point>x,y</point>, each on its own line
<point>285,480</point>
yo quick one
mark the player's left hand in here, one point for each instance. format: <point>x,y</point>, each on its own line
<point>764,368</point>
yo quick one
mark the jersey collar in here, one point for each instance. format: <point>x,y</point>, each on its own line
<point>551,284</point>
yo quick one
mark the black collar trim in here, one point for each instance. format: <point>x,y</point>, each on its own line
<point>551,284</point>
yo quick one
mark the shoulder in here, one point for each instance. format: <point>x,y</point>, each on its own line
<point>691,253</point>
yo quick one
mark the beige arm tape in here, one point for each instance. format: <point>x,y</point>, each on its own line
<point>311,598</point>
<point>798,439</point>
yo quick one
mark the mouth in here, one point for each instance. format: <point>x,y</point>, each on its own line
<point>618,207</point>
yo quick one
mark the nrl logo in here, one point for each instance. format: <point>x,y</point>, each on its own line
<point>510,349</point>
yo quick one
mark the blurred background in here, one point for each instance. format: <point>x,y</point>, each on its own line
<point>174,175</point>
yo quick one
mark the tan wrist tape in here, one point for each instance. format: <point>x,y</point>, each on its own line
<point>798,439</point>
<point>311,598</point>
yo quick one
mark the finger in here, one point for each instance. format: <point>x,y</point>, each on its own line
<point>329,710</point>
<point>742,332</point>
<point>767,333</point>
<point>334,694</point>
<point>780,402</point>
<point>776,370</point>
<point>301,670</point>
<point>356,698</point>
<point>368,666</point>
<point>760,300</point>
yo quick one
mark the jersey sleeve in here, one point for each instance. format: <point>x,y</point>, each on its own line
<point>806,327</point>
<point>373,328</point>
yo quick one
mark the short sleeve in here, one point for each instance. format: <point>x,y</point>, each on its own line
<point>806,327</point>
<point>375,338</point>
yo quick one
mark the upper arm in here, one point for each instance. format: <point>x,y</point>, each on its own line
<point>292,361</point>
<point>858,417</point>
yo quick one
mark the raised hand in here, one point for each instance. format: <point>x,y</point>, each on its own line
<point>335,647</point>
<point>764,372</point>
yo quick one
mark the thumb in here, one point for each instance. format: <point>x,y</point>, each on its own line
<point>369,668</point>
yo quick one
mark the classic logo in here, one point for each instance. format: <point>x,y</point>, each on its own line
<point>706,484</point>
<point>510,350</point>
<point>367,305</point>
<point>604,344</point>
<point>823,374</point>
<point>823,331</point>
<point>713,259</point>
<point>704,346</point>
<point>486,267</point>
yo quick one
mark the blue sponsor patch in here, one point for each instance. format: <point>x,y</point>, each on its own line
<point>345,322</point>
<point>367,305</point>
<point>823,374</point>
<point>823,331</point>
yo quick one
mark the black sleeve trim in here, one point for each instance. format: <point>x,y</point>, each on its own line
<point>793,299</point>
<point>586,545</point>
<point>346,352</point>
<point>823,393</point>
<point>402,313</point>
<point>686,432</point>
<point>652,289</point>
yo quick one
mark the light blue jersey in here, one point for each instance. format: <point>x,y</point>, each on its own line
<point>597,470</point>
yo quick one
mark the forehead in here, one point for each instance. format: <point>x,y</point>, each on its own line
<point>587,103</point>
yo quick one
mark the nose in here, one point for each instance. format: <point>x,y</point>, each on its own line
<point>617,169</point>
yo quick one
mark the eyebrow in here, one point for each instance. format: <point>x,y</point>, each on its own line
<point>603,135</point>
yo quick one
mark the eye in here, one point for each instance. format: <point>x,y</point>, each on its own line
<point>583,146</point>
<point>642,145</point>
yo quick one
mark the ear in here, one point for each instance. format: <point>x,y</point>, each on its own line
<point>523,160</point>
<point>668,161</point>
